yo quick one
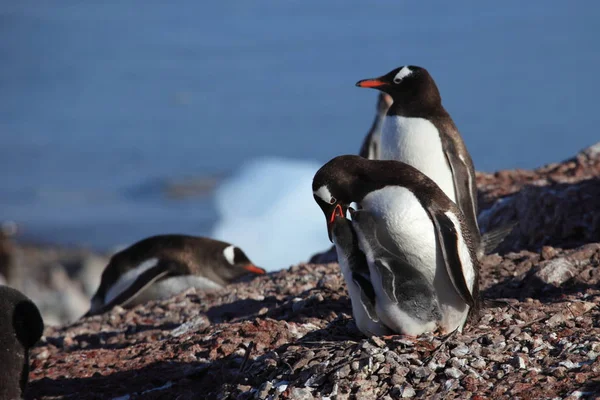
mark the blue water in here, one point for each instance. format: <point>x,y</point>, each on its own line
<point>103,104</point>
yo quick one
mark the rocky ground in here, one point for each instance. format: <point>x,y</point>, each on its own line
<point>290,335</point>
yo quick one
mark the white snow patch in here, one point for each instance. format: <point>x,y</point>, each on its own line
<point>267,209</point>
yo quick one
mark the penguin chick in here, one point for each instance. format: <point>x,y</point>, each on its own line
<point>405,298</point>
<point>356,274</point>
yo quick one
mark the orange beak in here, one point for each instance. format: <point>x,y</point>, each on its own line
<point>254,269</point>
<point>337,212</point>
<point>371,83</point>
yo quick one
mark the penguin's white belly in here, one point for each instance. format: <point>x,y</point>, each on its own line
<point>174,285</point>
<point>417,142</point>
<point>364,323</point>
<point>405,228</point>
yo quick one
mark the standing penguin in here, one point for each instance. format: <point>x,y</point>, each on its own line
<point>370,146</point>
<point>419,131</point>
<point>416,222</point>
<point>161,266</point>
<point>21,326</point>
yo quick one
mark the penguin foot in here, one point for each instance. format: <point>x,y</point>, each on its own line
<point>400,336</point>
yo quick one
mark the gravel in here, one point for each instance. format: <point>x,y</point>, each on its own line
<point>290,335</point>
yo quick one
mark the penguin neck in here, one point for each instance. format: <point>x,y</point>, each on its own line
<point>418,106</point>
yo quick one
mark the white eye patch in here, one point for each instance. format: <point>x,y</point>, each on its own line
<point>229,254</point>
<point>403,73</point>
<point>324,194</point>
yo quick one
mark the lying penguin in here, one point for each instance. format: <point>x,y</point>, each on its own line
<point>21,326</point>
<point>161,266</point>
<point>417,228</point>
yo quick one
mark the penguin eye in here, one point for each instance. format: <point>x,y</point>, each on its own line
<point>333,200</point>
<point>397,80</point>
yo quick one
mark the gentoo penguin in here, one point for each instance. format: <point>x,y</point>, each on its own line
<point>370,146</point>
<point>419,131</point>
<point>21,326</point>
<point>161,266</point>
<point>416,222</point>
<point>406,301</point>
<point>356,274</point>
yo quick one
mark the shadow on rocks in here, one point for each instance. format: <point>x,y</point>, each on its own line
<point>240,309</point>
<point>104,339</point>
<point>320,303</point>
<point>153,381</point>
<point>535,288</point>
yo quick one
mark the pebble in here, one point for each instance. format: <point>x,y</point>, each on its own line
<point>197,324</point>
<point>453,373</point>
<point>556,272</point>
<point>43,355</point>
<point>460,351</point>
<point>422,372</point>
<point>478,363</point>
<point>519,363</point>
<point>458,362</point>
<point>569,364</point>
<point>378,342</point>
<point>264,390</point>
<point>450,384</point>
<point>407,392</point>
<point>399,377</point>
<point>434,366</point>
<point>281,386</point>
<point>301,394</point>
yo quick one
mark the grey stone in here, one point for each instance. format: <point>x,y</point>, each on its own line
<point>460,351</point>
<point>453,373</point>
<point>556,272</point>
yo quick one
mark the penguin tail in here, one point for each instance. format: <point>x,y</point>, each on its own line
<point>492,239</point>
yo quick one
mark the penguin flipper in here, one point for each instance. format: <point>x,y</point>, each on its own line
<point>367,295</point>
<point>492,239</point>
<point>465,188</point>
<point>448,239</point>
<point>137,287</point>
<point>388,279</point>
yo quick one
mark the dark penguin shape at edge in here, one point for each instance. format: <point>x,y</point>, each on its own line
<point>21,326</point>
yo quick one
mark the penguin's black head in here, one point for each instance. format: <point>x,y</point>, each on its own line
<point>333,187</point>
<point>237,260</point>
<point>406,84</point>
